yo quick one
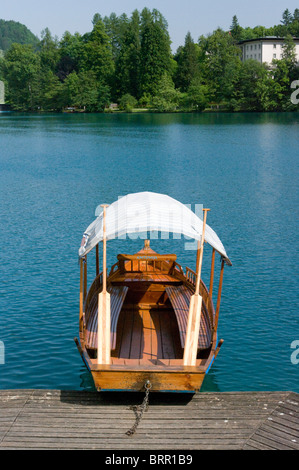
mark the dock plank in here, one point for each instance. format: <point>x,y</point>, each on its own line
<point>53,419</point>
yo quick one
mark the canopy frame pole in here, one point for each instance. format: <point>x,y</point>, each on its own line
<point>193,325</point>
<point>85,277</point>
<point>97,260</point>
<point>219,295</point>
<point>199,267</point>
<point>104,250</point>
<point>81,298</point>
<point>198,256</point>
<point>212,273</point>
<point>104,315</point>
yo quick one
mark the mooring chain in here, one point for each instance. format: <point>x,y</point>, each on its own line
<point>140,409</point>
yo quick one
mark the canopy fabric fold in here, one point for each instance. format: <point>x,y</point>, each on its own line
<point>146,212</point>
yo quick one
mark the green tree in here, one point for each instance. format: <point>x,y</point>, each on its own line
<point>127,103</point>
<point>289,50</point>
<point>155,52</point>
<point>187,59</point>
<point>290,58</point>
<point>281,86</point>
<point>197,96</point>
<point>49,52</point>
<point>254,33</point>
<point>167,97</point>
<point>96,18</point>
<point>245,96</point>
<point>294,27</point>
<point>96,54</point>
<point>70,52</point>
<point>14,32</point>
<point>21,70</point>
<point>265,92</point>
<point>115,27</point>
<point>127,67</point>
<point>235,29</point>
<point>287,17</point>
<point>220,65</point>
<point>51,97</point>
<point>84,91</point>
<point>284,72</point>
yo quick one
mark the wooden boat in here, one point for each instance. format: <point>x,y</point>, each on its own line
<point>148,321</point>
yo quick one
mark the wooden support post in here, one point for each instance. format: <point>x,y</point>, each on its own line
<point>193,326</point>
<point>104,326</point>
<point>104,251</point>
<point>85,277</point>
<point>212,273</point>
<point>97,260</point>
<point>197,257</point>
<point>219,296</point>
<point>81,297</point>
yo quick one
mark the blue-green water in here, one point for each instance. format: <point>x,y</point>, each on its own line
<point>56,169</point>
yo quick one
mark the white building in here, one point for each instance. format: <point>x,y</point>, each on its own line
<point>264,50</point>
<point>2,93</point>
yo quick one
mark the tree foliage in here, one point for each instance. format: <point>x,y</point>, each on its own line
<point>128,60</point>
<point>187,59</point>
<point>155,51</point>
<point>12,31</point>
<point>21,69</point>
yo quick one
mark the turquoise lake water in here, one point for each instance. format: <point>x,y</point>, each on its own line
<point>55,171</point>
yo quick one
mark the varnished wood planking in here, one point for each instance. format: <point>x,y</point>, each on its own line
<point>146,334</point>
<point>146,291</point>
<point>135,379</point>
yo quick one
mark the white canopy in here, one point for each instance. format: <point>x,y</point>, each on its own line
<point>145,212</point>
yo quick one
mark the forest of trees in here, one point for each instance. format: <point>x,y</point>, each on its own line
<point>128,60</point>
<point>12,31</point>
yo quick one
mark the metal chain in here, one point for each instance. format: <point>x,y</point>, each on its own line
<point>140,409</point>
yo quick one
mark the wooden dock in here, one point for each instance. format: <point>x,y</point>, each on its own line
<point>47,419</point>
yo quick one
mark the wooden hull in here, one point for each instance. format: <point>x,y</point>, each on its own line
<point>174,378</point>
<point>135,380</point>
<point>148,316</point>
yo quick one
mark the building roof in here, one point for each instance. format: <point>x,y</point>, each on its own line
<point>266,38</point>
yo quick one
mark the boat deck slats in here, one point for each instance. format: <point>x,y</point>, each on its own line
<point>54,419</point>
<point>146,334</point>
<point>117,298</point>
<point>179,297</point>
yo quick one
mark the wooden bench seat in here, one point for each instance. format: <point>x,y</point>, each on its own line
<point>179,297</point>
<point>117,298</point>
<point>146,277</point>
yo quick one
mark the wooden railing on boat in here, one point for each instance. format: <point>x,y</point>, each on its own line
<point>135,266</point>
<point>150,263</point>
<point>146,263</point>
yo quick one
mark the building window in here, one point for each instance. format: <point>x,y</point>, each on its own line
<point>274,56</point>
<point>274,45</point>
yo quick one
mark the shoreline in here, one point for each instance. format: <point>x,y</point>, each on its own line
<point>147,111</point>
